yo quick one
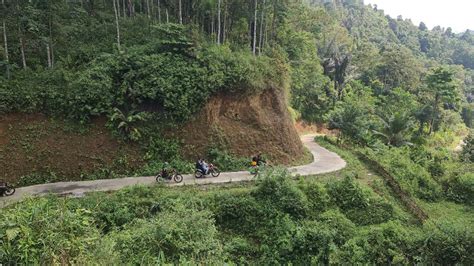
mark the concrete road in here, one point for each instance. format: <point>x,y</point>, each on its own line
<point>324,162</point>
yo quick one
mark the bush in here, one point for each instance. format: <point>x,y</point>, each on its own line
<point>318,197</point>
<point>347,194</point>
<point>460,188</point>
<point>360,206</point>
<point>384,244</point>
<point>312,244</point>
<point>447,243</point>
<point>467,153</point>
<point>276,189</point>
<point>240,250</point>
<point>412,177</point>
<point>43,231</point>
<point>179,233</point>
<point>227,161</point>
<point>240,213</point>
<point>344,229</point>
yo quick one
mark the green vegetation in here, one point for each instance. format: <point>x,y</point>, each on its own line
<point>277,221</point>
<point>399,97</point>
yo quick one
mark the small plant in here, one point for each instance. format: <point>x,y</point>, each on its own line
<point>127,123</point>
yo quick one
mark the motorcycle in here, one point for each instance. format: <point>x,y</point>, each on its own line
<point>6,190</point>
<point>172,175</point>
<point>213,170</point>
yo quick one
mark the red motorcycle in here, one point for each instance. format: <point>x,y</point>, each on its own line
<point>213,170</point>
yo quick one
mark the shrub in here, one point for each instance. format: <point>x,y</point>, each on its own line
<point>312,244</point>
<point>179,233</point>
<point>460,188</point>
<point>227,161</point>
<point>344,229</point>
<point>360,206</point>
<point>467,153</point>
<point>412,177</point>
<point>347,194</point>
<point>240,213</point>
<point>447,243</point>
<point>43,231</point>
<point>275,189</point>
<point>318,198</point>
<point>241,251</point>
<point>383,244</point>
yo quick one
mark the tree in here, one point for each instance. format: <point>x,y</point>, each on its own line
<point>5,39</point>
<point>441,90</point>
<point>117,24</point>
<point>219,22</point>
<point>399,68</point>
<point>354,118</point>
<point>467,153</point>
<point>254,39</point>
<point>422,26</point>
<point>395,128</point>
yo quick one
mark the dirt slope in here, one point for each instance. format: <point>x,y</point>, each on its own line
<point>36,144</point>
<point>245,125</point>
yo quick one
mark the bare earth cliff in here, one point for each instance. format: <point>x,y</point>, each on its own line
<point>245,125</point>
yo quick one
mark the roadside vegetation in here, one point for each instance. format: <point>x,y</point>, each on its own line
<point>398,96</point>
<point>278,220</point>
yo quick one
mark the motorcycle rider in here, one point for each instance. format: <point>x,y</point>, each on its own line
<point>3,188</point>
<point>202,166</point>
<point>258,160</point>
<point>166,170</point>
<point>205,167</point>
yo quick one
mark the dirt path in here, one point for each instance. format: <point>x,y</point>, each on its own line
<point>324,162</point>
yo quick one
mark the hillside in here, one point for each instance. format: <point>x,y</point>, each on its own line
<point>110,89</point>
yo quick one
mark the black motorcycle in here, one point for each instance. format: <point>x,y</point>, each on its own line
<point>6,190</point>
<point>170,175</point>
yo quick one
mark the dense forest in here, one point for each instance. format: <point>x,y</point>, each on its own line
<point>396,95</point>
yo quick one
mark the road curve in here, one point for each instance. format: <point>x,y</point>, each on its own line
<point>324,162</point>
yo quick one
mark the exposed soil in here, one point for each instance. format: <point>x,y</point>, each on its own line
<point>244,125</point>
<point>33,143</point>
<point>303,128</point>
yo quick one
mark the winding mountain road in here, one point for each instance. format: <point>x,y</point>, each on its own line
<point>324,162</point>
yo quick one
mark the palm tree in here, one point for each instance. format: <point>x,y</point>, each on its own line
<point>396,128</point>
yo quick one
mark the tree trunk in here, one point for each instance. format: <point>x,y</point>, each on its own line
<point>148,9</point>
<point>254,29</point>
<point>273,32</point>
<point>118,7</point>
<point>5,43</point>
<point>130,8</point>
<point>117,25</point>
<point>219,22</point>
<point>167,17</point>
<point>22,50</point>
<point>212,24</point>
<point>224,23</point>
<point>433,126</point>
<point>180,12</point>
<point>48,53</point>
<point>260,39</point>
<point>124,8</point>
<point>159,12</point>
<point>51,51</point>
